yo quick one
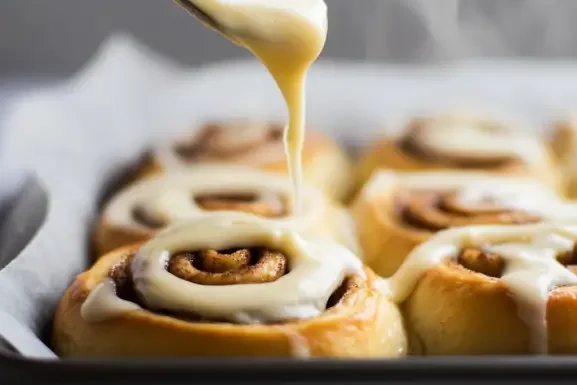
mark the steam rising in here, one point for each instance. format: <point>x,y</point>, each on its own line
<point>424,30</point>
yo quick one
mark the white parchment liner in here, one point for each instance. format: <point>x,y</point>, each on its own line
<point>75,137</point>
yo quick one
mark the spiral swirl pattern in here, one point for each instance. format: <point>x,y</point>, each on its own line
<point>462,142</point>
<point>437,200</point>
<point>229,267</point>
<point>234,267</point>
<point>244,142</point>
<point>435,211</point>
<point>157,202</point>
<point>225,141</point>
<point>265,204</point>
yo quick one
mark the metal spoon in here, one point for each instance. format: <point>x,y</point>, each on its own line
<point>208,20</point>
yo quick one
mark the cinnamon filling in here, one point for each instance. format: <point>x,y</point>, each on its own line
<point>122,276</point>
<point>413,145</point>
<point>229,267</point>
<point>492,265</point>
<point>219,141</point>
<point>434,211</point>
<point>489,264</point>
<point>225,267</point>
<point>266,204</point>
<point>147,219</point>
<point>569,259</point>
<point>349,284</point>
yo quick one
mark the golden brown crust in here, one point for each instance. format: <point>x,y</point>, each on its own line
<point>107,237</point>
<point>457,311</point>
<point>386,153</point>
<point>384,243</point>
<point>361,324</point>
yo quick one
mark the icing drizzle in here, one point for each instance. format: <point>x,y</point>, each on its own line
<point>531,267</point>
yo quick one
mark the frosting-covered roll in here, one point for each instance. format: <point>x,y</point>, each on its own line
<point>463,141</point>
<point>228,285</point>
<point>140,210</point>
<point>398,210</point>
<point>491,290</point>
<point>256,144</point>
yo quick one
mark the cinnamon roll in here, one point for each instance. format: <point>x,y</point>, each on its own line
<point>459,141</point>
<point>228,285</point>
<point>494,290</point>
<point>257,144</point>
<point>398,210</point>
<point>564,145</point>
<point>140,210</point>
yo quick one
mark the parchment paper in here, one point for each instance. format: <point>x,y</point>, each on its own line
<point>74,137</point>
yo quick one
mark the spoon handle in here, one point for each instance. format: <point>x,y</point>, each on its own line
<point>208,20</point>
<point>202,16</point>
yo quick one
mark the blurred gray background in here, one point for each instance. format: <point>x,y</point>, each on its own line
<point>58,36</point>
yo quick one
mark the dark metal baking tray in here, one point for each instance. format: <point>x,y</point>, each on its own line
<point>531,370</point>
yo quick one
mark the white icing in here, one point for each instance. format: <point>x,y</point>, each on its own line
<point>103,303</point>
<point>272,20</point>
<point>171,196</point>
<point>531,268</point>
<point>317,268</point>
<point>477,189</point>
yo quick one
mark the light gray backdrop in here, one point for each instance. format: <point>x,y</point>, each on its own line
<point>57,36</point>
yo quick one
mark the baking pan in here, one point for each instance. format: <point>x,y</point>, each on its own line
<point>15,368</point>
<point>532,370</point>
<point>104,117</point>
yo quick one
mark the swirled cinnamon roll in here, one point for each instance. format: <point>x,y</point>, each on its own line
<point>491,290</point>
<point>398,210</point>
<point>256,144</point>
<point>142,209</point>
<point>461,141</point>
<point>228,285</point>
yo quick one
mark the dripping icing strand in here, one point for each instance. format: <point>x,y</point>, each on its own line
<point>287,36</point>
